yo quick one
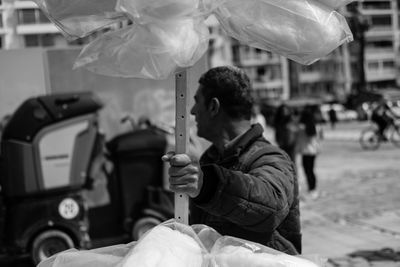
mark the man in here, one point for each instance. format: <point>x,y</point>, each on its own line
<point>244,187</point>
<point>383,116</point>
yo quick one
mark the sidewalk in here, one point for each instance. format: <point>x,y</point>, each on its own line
<point>356,220</point>
<point>346,131</point>
<point>336,241</point>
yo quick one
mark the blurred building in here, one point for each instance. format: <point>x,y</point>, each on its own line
<point>332,77</point>
<point>22,24</point>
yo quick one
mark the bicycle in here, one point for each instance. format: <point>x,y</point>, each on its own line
<point>370,139</point>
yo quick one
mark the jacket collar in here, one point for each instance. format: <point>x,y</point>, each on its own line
<point>237,145</point>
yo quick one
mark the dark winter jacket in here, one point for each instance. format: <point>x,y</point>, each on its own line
<point>250,192</point>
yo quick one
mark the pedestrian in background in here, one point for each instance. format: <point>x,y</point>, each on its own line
<point>333,119</point>
<point>286,130</point>
<point>383,116</point>
<point>258,117</point>
<point>244,186</point>
<point>308,146</point>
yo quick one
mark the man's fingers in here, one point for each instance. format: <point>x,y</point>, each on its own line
<point>179,160</point>
<point>179,171</point>
<point>167,157</point>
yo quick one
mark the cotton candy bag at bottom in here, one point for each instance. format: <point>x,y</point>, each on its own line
<point>152,51</point>
<point>235,252</point>
<point>167,245</point>
<point>302,30</point>
<point>101,257</point>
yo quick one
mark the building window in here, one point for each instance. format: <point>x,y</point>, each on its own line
<point>31,40</point>
<point>42,17</point>
<point>376,5</point>
<point>34,40</point>
<point>381,21</point>
<point>388,64</point>
<point>373,65</point>
<point>47,40</point>
<point>27,16</point>
<point>1,19</point>
<point>31,16</point>
<point>380,44</point>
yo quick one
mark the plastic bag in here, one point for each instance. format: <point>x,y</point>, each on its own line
<point>168,245</point>
<point>302,30</point>
<point>145,11</point>
<point>335,4</point>
<point>152,51</point>
<point>168,34</point>
<point>79,18</point>
<point>235,252</point>
<point>102,257</point>
<point>179,245</point>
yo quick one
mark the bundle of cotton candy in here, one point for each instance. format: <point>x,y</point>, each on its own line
<point>146,51</point>
<point>302,30</point>
<point>163,246</point>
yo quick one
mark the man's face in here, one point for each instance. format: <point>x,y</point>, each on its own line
<point>201,114</point>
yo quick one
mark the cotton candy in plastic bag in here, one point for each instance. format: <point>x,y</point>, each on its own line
<point>152,51</point>
<point>302,30</point>
<point>144,11</point>
<point>102,257</point>
<point>170,244</point>
<point>173,244</point>
<point>79,18</point>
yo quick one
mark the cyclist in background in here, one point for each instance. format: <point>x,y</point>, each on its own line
<point>383,116</point>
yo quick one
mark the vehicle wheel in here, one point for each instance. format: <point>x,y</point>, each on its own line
<point>369,139</point>
<point>49,243</point>
<point>395,136</point>
<point>142,225</point>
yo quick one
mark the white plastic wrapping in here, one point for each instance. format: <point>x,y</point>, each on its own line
<point>79,18</point>
<point>302,30</point>
<point>169,34</point>
<point>335,4</point>
<point>152,51</point>
<point>144,11</point>
<point>172,244</point>
<point>235,252</point>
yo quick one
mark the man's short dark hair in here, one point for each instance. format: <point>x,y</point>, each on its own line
<point>232,87</point>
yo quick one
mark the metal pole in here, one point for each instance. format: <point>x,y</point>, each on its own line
<point>181,138</point>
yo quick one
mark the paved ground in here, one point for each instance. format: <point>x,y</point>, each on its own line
<point>356,220</point>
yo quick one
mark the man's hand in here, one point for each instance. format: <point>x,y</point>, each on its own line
<point>185,176</point>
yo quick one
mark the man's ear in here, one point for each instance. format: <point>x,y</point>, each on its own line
<point>214,106</point>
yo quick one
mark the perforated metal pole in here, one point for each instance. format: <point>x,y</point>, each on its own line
<point>181,138</point>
